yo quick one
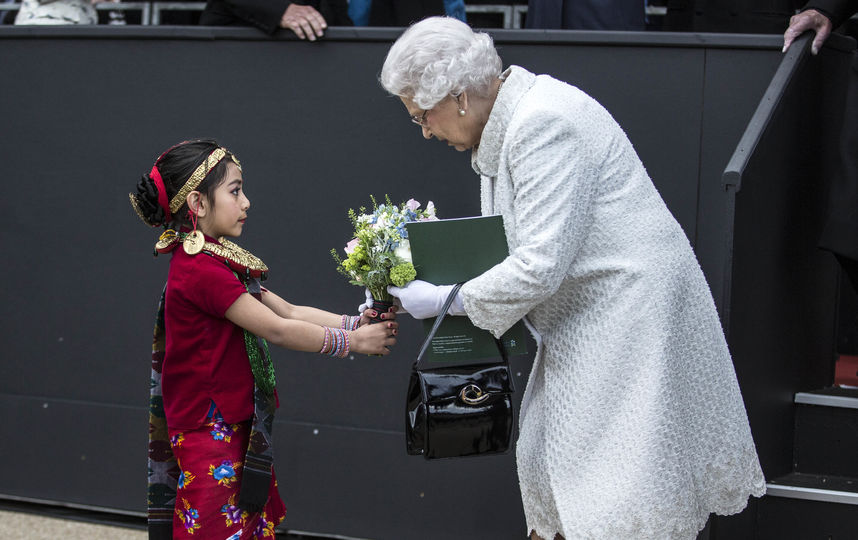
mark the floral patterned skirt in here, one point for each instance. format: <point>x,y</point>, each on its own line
<point>210,461</point>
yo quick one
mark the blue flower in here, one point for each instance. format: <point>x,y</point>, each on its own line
<point>225,470</point>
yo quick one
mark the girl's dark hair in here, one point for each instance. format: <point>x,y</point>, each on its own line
<point>176,166</point>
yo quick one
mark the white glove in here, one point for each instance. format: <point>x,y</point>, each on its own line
<point>368,303</point>
<point>424,300</point>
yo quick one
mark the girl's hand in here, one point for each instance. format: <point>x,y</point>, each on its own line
<point>375,338</point>
<point>370,314</point>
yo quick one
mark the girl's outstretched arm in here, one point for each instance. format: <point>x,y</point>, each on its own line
<point>300,335</point>
<point>306,313</point>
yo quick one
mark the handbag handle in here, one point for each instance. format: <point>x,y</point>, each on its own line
<point>438,320</point>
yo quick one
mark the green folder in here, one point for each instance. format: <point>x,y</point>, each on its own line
<point>450,251</point>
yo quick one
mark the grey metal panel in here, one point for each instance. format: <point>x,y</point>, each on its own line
<point>390,495</point>
<point>89,454</point>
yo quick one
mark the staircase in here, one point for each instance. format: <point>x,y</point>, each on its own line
<point>819,498</point>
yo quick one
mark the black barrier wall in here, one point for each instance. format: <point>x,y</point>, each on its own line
<point>86,112</point>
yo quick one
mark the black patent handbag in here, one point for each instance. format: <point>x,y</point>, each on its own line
<point>458,410</point>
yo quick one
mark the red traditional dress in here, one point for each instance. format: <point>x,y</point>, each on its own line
<point>212,404</point>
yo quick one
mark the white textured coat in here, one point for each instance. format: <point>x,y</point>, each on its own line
<point>632,425</point>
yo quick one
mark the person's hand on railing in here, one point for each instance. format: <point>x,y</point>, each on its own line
<point>305,21</point>
<point>804,21</point>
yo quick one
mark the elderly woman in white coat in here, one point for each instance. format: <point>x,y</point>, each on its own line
<point>632,424</point>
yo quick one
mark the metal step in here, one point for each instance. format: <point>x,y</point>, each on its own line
<point>813,487</point>
<point>830,397</point>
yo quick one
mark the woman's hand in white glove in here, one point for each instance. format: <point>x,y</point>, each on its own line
<point>368,303</point>
<point>423,300</point>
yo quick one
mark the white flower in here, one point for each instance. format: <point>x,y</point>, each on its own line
<point>429,213</point>
<point>403,250</point>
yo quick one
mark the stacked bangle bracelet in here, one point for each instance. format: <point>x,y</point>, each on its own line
<point>336,342</point>
<point>350,322</point>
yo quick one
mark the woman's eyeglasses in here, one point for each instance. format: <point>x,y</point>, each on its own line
<point>420,120</point>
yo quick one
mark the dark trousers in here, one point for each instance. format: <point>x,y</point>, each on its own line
<point>840,234</point>
<point>627,15</point>
<point>850,270</point>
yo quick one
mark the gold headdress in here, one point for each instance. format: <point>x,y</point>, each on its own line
<point>198,175</point>
<point>190,185</point>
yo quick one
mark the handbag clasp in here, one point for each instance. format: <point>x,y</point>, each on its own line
<point>473,394</point>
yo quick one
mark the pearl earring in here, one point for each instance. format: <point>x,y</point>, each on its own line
<point>461,112</point>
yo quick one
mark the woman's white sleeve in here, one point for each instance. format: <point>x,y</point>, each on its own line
<point>554,165</point>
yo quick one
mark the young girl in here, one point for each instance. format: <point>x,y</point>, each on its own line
<point>213,398</point>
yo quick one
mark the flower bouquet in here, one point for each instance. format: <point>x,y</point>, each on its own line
<point>380,254</point>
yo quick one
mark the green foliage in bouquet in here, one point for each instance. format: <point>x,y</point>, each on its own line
<point>380,254</point>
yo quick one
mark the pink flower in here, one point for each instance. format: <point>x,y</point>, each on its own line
<point>350,247</point>
<point>412,204</point>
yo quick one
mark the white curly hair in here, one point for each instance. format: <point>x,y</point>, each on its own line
<point>438,57</point>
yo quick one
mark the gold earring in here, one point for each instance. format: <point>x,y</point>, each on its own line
<point>194,241</point>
